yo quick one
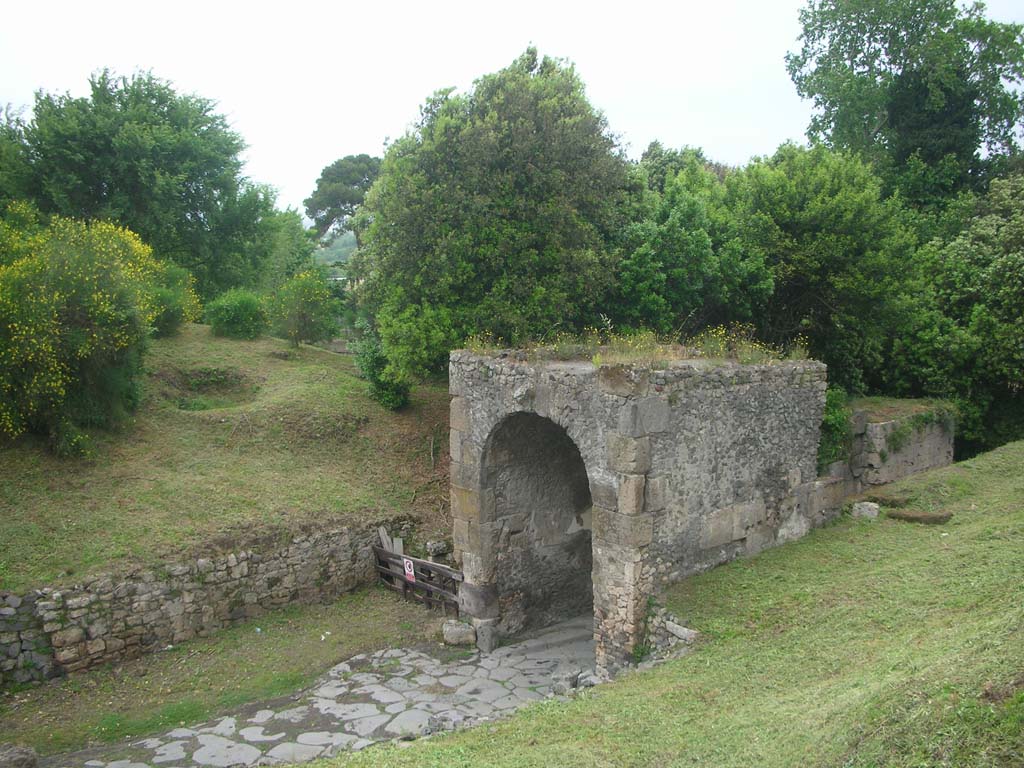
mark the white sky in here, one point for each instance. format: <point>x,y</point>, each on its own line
<point>308,82</point>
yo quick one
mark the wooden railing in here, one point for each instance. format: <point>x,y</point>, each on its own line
<point>433,584</point>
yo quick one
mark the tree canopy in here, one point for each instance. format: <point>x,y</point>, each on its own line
<point>494,215</point>
<point>919,81</point>
<point>339,192</point>
<point>165,165</point>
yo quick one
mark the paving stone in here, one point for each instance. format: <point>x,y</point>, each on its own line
<point>411,723</point>
<point>433,706</point>
<point>424,681</point>
<point>226,727</point>
<point>367,725</point>
<point>346,711</point>
<point>290,752</point>
<point>255,733</point>
<point>394,709</point>
<point>221,752</point>
<point>508,702</point>
<point>483,690</point>
<point>526,694</point>
<point>317,738</point>
<point>380,694</point>
<point>453,681</point>
<point>476,709</point>
<point>400,684</point>
<point>293,715</point>
<point>365,678</point>
<point>332,690</point>
<point>260,717</point>
<point>503,673</point>
<point>170,752</point>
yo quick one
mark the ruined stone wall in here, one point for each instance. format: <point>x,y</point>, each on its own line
<point>729,448</point>
<point>884,451</point>
<point>687,465</point>
<point>50,631</point>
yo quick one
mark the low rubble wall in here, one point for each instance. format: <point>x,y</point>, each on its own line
<point>47,632</point>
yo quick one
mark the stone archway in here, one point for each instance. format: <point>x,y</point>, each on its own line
<point>541,519</point>
<point>685,466</point>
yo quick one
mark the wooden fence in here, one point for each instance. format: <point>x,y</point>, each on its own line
<point>433,584</point>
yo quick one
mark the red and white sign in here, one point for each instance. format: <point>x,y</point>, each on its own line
<point>410,570</point>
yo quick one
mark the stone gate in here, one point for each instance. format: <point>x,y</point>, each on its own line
<point>578,487</point>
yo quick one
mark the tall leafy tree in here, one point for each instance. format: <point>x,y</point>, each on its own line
<point>494,215</point>
<point>923,83</point>
<point>836,249</point>
<point>683,267</point>
<point>339,191</point>
<point>164,164</point>
<point>15,172</point>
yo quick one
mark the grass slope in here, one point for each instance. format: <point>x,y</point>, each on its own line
<point>235,441</point>
<point>275,655</point>
<point>867,643</point>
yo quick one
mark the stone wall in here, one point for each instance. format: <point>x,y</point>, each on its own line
<point>50,631</point>
<point>687,465</point>
<point>883,451</point>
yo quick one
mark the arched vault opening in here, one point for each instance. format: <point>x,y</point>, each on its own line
<point>543,555</point>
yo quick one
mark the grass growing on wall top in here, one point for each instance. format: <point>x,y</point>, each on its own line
<point>646,348</point>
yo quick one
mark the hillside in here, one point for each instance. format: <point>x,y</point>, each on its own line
<point>235,441</point>
<point>867,643</point>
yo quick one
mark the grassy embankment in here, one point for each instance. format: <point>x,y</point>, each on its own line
<point>235,441</point>
<point>867,643</point>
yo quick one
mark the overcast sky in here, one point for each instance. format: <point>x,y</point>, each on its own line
<point>307,83</point>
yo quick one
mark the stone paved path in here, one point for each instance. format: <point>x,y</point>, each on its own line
<point>372,697</point>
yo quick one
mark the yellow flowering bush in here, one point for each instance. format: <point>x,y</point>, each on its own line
<point>76,306</point>
<point>304,310</point>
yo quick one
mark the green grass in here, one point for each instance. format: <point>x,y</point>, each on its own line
<point>235,441</point>
<point>203,678</point>
<point>881,409</point>
<point>868,643</point>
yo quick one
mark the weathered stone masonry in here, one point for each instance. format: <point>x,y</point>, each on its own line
<point>48,632</point>
<point>659,473</point>
<point>687,466</point>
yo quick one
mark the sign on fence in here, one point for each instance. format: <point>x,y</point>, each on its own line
<point>410,570</point>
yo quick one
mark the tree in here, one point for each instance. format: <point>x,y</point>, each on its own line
<point>15,172</point>
<point>978,280</point>
<point>682,268</point>
<point>836,250</point>
<point>920,81</point>
<point>163,164</point>
<point>494,215</point>
<point>339,191</point>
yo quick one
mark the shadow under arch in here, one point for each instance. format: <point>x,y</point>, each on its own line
<point>540,523</point>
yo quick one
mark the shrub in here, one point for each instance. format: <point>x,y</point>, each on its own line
<point>237,313</point>
<point>390,392</point>
<point>174,300</point>
<point>74,315</point>
<point>304,309</point>
<point>836,431</point>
